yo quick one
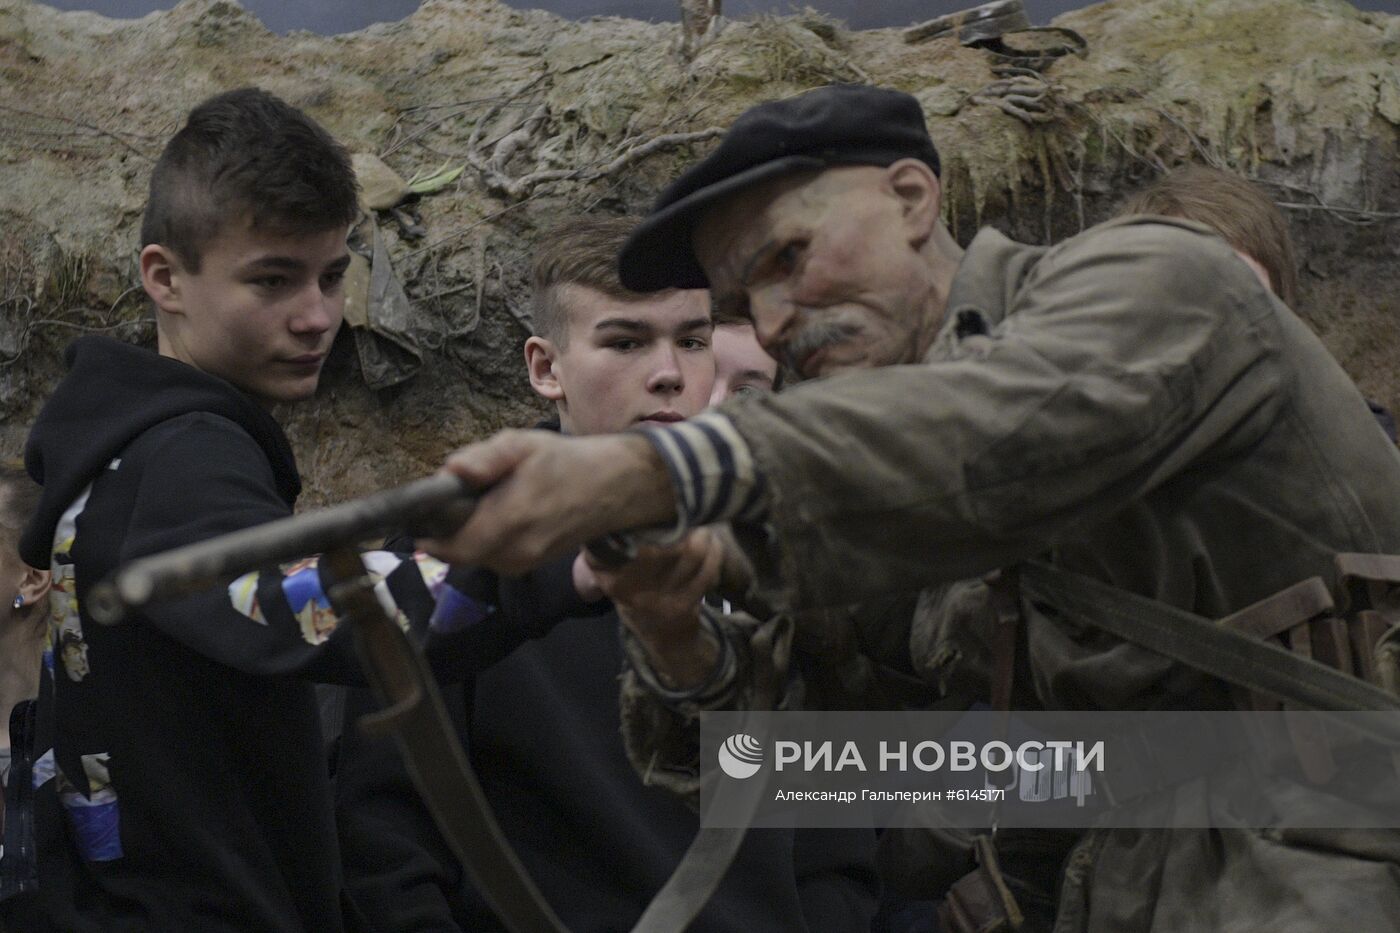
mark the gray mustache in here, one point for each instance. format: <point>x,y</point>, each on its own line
<point>813,337</point>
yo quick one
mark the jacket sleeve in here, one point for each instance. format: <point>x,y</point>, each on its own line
<point>852,657</point>
<point>1123,359</point>
<point>662,738</point>
<point>481,617</point>
<point>203,476</point>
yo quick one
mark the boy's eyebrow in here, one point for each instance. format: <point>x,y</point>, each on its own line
<point>698,323</point>
<point>755,374</point>
<point>279,263</point>
<point>290,264</point>
<point>636,326</point>
<point>623,323</point>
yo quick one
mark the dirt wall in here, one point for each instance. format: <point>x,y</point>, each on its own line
<point>549,117</point>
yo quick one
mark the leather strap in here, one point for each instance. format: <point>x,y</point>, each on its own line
<point>1277,614</point>
<point>414,714</point>
<point>1006,607</point>
<point>1207,646</point>
<point>1301,614</point>
<point>710,854</point>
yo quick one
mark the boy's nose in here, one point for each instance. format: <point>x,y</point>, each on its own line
<point>667,376</point>
<point>319,312</point>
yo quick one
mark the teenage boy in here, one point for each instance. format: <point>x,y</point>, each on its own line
<point>741,365</point>
<point>185,789</point>
<point>544,727</point>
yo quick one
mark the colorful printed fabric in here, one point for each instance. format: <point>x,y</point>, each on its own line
<point>95,818</point>
<point>305,597</point>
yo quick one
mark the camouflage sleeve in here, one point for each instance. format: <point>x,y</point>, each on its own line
<point>662,734</point>
<point>854,657</point>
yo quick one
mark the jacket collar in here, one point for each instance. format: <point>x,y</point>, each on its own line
<point>988,278</point>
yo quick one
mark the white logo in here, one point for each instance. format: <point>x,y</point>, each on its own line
<point>741,756</point>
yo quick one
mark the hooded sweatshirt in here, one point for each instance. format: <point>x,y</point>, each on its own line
<point>185,788</point>
<point>542,725</point>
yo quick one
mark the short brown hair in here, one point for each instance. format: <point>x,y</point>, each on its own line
<point>579,252</point>
<point>246,153</point>
<point>1233,207</point>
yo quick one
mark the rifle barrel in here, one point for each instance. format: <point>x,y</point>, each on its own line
<point>432,507</point>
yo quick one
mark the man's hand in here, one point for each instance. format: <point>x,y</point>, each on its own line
<point>546,494</point>
<point>657,596</point>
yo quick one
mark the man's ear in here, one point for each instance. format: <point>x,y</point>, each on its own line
<point>920,195</point>
<point>160,276</point>
<point>540,357</point>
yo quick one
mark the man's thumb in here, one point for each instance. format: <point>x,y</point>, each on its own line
<point>487,462</point>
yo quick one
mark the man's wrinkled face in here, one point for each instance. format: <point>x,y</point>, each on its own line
<point>630,362</point>
<point>741,365</point>
<point>262,310</point>
<point>824,266</point>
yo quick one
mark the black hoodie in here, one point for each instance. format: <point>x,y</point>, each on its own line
<point>544,732</point>
<point>188,788</point>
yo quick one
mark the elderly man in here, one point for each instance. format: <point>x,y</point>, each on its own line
<point>1131,404</point>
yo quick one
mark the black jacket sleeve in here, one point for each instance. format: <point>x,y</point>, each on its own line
<point>514,611</point>
<point>202,476</point>
<point>837,881</point>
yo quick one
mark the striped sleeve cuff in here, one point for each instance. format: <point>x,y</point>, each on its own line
<point>712,470</point>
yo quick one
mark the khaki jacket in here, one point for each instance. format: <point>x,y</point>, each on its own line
<point>1132,404</point>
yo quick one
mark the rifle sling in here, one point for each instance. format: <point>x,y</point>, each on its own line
<point>414,714</point>
<point>709,856</point>
<point>1209,647</point>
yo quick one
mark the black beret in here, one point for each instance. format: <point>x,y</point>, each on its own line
<point>844,124</point>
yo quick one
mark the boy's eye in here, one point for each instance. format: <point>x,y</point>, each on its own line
<point>749,388</point>
<point>332,280</point>
<point>624,344</point>
<point>270,281</point>
<point>693,343</point>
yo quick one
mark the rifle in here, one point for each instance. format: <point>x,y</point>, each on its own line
<point>431,507</point>
<point>412,708</point>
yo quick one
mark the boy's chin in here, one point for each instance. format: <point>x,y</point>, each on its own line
<point>284,393</point>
